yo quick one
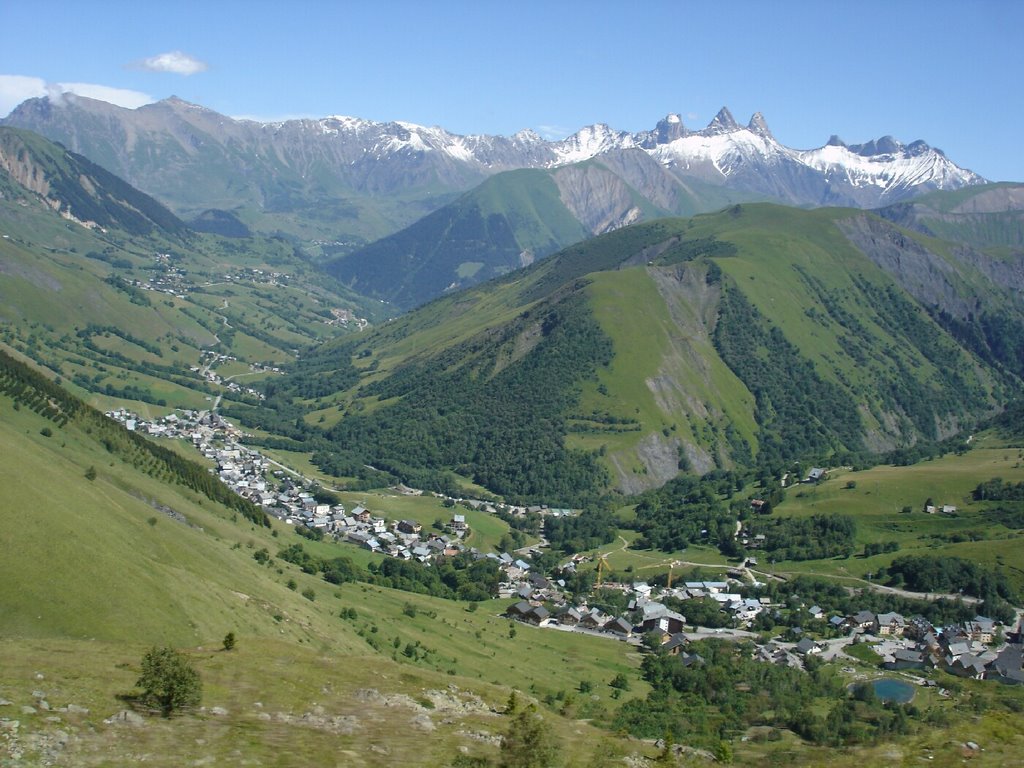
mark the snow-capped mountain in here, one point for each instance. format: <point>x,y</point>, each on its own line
<point>343,177</point>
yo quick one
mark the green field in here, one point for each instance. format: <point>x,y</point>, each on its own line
<point>881,493</point>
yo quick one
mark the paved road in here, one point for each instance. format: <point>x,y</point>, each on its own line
<point>882,588</point>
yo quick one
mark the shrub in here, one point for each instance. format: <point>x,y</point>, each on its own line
<point>168,681</point>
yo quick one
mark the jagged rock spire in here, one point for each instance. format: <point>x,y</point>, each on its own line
<point>723,122</point>
<point>759,126</point>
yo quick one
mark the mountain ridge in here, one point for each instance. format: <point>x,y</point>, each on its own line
<point>344,177</point>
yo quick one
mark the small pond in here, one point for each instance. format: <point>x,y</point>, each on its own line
<point>888,689</point>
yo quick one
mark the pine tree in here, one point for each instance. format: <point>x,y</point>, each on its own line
<point>528,743</point>
<point>169,681</point>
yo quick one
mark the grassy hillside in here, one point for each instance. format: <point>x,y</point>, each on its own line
<point>888,503</point>
<point>306,673</point>
<point>97,570</point>
<point>988,216</point>
<point>756,335</point>
<point>137,318</point>
<point>505,223</point>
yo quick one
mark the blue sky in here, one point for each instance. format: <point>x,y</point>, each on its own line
<point>946,72</point>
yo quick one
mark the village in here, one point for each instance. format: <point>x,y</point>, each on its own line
<point>979,649</point>
<point>290,497</point>
<point>171,278</point>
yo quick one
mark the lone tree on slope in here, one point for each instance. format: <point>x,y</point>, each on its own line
<point>169,681</point>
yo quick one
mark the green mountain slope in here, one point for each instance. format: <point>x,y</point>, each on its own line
<point>991,215</point>
<point>103,285</point>
<point>79,189</point>
<point>759,334</point>
<point>506,223</point>
<point>516,218</point>
<point>100,565</point>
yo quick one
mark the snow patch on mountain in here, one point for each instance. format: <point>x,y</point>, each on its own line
<point>896,170</point>
<point>727,152</point>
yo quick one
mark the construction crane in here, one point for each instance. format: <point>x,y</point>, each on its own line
<point>602,566</point>
<point>673,564</point>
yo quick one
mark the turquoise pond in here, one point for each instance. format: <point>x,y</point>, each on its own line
<point>888,689</point>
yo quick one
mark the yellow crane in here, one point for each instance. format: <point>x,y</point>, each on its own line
<point>673,564</point>
<point>602,566</point>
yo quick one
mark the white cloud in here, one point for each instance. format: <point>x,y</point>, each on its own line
<point>15,89</point>
<point>176,62</point>
<point>552,132</point>
<point>121,97</point>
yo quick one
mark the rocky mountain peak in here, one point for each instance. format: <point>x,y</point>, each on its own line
<point>759,126</point>
<point>724,122</point>
<point>886,145</point>
<point>669,129</point>
<point>527,136</point>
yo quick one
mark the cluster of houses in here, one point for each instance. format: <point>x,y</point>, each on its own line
<point>345,317</point>
<point>254,275</point>
<point>645,615</point>
<point>249,474</point>
<point>964,650</point>
<point>209,358</point>
<point>167,278</point>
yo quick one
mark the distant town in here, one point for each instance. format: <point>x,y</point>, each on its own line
<point>979,649</point>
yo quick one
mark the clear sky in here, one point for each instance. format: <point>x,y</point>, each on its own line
<point>948,72</point>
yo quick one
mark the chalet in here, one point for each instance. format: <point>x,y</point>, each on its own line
<point>458,523</point>
<point>1008,667</point>
<point>956,650</point>
<point>362,514</point>
<point>537,615</point>
<point>619,626</point>
<point>890,624</point>
<point>359,537</point>
<point>642,588</point>
<point>409,526</point>
<point>816,475</point>
<point>760,506</point>
<point>661,619</point>
<point>675,644</point>
<point>537,581</point>
<point>518,610</point>
<point>569,616</point>
<point>864,620</point>
<point>980,629</point>
<point>967,665</point>
<point>906,658</point>
<point>806,647</point>
<point>917,627</point>
<point>593,619</point>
